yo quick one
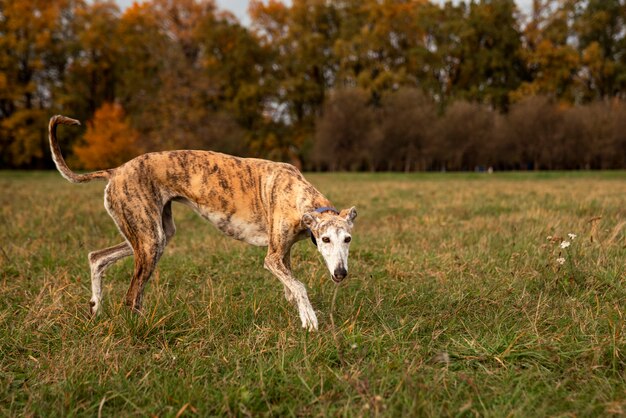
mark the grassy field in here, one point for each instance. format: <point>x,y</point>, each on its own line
<point>456,305</point>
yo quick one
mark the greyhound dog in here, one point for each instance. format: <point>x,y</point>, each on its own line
<point>260,202</point>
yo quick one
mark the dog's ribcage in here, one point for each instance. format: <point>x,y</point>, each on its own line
<point>232,224</point>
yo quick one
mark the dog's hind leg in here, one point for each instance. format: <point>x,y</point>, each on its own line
<point>168,221</point>
<point>148,251</point>
<point>147,256</point>
<point>146,233</point>
<point>99,261</point>
<point>143,222</point>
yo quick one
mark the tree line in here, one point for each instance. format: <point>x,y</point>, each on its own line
<point>399,85</point>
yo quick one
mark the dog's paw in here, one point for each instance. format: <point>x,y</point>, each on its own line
<point>93,308</point>
<point>308,318</point>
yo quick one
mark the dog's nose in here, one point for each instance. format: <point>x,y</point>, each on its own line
<point>340,273</point>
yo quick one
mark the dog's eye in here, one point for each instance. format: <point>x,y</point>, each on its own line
<point>348,239</point>
<point>326,240</point>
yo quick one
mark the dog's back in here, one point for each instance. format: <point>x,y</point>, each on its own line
<point>236,194</point>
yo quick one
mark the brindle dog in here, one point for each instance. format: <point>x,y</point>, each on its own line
<point>261,202</point>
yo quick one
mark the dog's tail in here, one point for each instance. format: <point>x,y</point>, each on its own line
<point>58,157</point>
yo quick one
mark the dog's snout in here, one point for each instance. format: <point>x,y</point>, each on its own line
<point>340,273</point>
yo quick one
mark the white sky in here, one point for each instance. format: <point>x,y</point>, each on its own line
<point>240,7</point>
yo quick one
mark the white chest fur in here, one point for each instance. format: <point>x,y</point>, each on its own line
<point>236,228</point>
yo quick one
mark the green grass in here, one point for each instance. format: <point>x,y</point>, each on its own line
<point>455,305</point>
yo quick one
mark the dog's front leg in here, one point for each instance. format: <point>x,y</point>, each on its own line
<point>287,262</point>
<point>275,264</point>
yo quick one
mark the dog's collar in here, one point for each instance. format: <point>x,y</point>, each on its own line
<point>326,209</point>
<point>321,210</point>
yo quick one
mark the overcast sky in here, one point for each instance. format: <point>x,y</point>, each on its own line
<point>240,7</point>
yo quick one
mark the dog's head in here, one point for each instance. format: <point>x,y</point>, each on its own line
<point>332,233</point>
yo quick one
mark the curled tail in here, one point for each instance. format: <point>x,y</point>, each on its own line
<point>58,157</point>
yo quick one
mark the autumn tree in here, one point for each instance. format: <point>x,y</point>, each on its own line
<point>437,61</point>
<point>594,134</point>
<point>32,57</point>
<point>533,133</point>
<point>375,53</point>
<point>551,63</point>
<point>173,112</point>
<point>143,55</point>
<point>346,84</point>
<point>302,65</point>
<point>602,41</point>
<point>193,94</point>
<point>490,63</point>
<point>236,64</point>
<point>463,134</point>
<point>91,72</point>
<point>109,140</point>
<point>407,125</point>
<point>345,131</point>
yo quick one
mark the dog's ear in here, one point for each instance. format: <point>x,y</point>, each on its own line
<point>348,214</point>
<point>310,219</point>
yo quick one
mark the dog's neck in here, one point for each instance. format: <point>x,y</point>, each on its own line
<point>312,202</point>
<point>327,209</point>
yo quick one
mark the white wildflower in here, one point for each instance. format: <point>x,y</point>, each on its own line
<point>560,260</point>
<point>353,346</point>
<point>571,236</point>
<point>565,244</point>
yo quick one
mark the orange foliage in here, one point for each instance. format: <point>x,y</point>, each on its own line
<point>109,141</point>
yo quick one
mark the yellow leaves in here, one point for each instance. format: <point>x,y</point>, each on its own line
<point>136,13</point>
<point>98,23</point>
<point>29,24</point>
<point>275,9</point>
<point>267,144</point>
<point>3,81</point>
<point>109,141</point>
<point>269,20</point>
<point>593,58</point>
<point>555,67</point>
<point>23,126</point>
<point>592,54</point>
